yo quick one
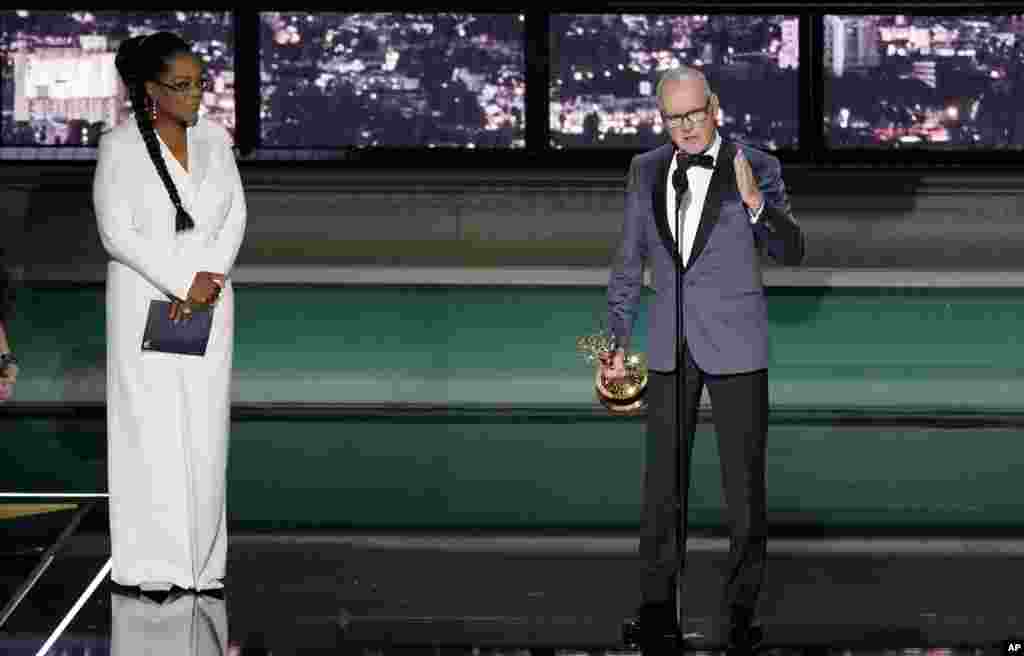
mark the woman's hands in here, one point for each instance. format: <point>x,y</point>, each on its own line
<point>205,290</point>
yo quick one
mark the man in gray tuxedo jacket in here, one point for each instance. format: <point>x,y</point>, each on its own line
<point>729,202</point>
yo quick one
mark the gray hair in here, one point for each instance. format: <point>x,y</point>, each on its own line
<point>678,74</point>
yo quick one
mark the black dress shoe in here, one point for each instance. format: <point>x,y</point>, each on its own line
<point>744,635</point>
<point>654,627</point>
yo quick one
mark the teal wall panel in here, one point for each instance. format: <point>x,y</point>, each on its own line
<point>532,472</point>
<point>832,348</point>
<point>839,347</point>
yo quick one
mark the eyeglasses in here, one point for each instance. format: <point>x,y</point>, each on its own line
<point>688,120</point>
<point>203,85</point>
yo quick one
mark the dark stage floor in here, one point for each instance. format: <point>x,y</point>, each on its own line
<point>506,594</point>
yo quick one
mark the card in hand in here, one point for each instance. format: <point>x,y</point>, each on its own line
<point>186,337</point>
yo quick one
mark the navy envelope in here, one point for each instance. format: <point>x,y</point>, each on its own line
<point>187,337</point>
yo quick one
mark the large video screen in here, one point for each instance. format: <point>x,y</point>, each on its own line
<point>392,80</point>
<point>605,69</point>
<point>903,81</point>
<point>60,86</point>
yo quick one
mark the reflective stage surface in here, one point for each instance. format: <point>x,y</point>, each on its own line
<point>486,594</point>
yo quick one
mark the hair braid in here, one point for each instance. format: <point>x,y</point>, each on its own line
<point>182,220</point>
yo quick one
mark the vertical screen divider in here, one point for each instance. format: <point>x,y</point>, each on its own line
<point>248,99</point>
<point>538,76</point>
<point>811,107</point>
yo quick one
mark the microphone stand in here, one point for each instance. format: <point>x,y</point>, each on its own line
<point>681,185</point>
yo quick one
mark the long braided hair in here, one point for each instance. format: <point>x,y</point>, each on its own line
<point>139,60</point>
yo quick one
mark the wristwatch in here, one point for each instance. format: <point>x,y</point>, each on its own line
<point>7,359</point>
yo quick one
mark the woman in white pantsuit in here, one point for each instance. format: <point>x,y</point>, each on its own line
<point>171,214</point>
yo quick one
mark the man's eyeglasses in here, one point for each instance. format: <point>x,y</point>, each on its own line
<point>203,85</point>
<point>688,120</point>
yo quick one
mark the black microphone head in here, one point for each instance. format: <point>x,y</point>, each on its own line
<point>679,180</point>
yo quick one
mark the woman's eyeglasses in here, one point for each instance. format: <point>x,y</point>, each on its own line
<point>203,85</point>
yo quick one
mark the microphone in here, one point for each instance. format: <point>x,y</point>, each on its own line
<point>680,182</point>
<point>684,161</point>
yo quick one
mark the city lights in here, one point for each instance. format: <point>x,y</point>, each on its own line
<point>889,81</point>
<point>398,79</point>
<point>752,59</point>
<point>65,87</point>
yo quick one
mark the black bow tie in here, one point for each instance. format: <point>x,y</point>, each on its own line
<point>685,161</point>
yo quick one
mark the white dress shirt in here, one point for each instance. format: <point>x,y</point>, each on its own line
<point>699,179</point>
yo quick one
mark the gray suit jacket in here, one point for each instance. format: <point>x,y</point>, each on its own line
<point>723,312</point>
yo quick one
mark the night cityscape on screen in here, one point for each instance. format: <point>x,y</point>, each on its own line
<point>392,80</point>
<point>605,67</point>
<point>60,86</point>
<point>924,81</point>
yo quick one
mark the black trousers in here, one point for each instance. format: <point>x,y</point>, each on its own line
<point>739,406</point>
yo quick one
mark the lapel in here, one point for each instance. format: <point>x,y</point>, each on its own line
<point>722,179</point>
<point>659,200</point>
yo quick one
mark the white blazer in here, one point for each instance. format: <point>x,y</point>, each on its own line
<point>136,216</point>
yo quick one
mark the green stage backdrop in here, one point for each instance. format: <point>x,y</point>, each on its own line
<point>830,348</point>
<point>933,350</point>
